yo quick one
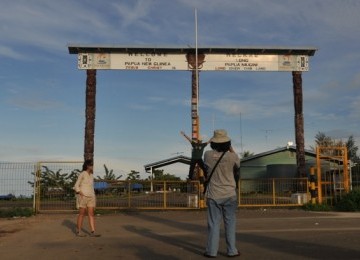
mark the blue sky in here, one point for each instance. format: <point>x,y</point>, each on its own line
<point>139,114</point>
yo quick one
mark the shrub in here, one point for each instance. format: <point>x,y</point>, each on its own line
<point>16,212</point>
<point>349,202</point>
<point>316,207</point>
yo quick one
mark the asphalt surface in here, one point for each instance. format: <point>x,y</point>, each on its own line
<point>261,234</point>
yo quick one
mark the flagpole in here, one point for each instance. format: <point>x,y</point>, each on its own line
<point>196,65</point>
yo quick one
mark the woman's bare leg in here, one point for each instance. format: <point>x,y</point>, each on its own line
<point>91,218</point>
<point>80,219</point>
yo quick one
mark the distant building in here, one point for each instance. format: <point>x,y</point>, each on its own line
<point>277,163</point>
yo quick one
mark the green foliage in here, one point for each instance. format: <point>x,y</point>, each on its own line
<point>109,175</point>
<point>349,202</point>
<point>321,139</point>
<point>133,176</point>
<point>246,154</point>
<point>352,149</point>
<point>56,180</point>
<point>316,207</point>
<point>16,212</point>
<point>159,175</point>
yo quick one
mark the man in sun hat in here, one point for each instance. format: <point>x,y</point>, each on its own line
<point>221,198</point>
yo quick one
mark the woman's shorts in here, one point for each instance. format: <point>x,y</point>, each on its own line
<point>85,202</point>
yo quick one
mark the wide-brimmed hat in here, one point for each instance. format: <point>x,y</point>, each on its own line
<point>220,136</point>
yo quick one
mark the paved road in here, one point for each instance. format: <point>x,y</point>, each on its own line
<point>262,234</point>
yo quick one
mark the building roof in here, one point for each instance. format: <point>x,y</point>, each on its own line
<point>162,163</point>
<point>106,48</point>
<point>277,150</point>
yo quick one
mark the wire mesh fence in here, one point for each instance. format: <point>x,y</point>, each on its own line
<point>355,177</point>
<point>15,187</point>
<point>48,186</point>
<point>273,192</point>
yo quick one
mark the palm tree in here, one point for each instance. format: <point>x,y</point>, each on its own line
<point>90,115</point>
<point>109,175</point>
<point>299,123</point>
<point>322,140</point>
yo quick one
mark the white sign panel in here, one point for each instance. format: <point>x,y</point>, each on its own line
<point>132,61</point>
<point>246,62</point>
<point>208,62</point>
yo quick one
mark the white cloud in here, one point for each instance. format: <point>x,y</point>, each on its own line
<point>38,31</point>
<point>10,53</point>
<point>133,12</point>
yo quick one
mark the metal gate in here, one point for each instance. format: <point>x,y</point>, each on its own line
<point>332,174</point>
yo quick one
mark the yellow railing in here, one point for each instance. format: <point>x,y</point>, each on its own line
<point>26,182</point>
<point>182,195</point>
<point>273,192</point>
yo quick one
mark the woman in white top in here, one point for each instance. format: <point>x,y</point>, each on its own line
<point>86,200</point>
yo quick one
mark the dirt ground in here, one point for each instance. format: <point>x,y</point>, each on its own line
<point>261,234</point>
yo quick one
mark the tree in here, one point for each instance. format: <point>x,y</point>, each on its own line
<point>246,154</point>
<point>133,176</point>
<point>321,139</point>
<point>160,176</point>
<point>352,149</point>
<point>109,175</point>
<point>90,115</point>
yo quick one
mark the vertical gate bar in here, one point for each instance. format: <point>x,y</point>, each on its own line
<point>164,187</point>
<point>273,193</point>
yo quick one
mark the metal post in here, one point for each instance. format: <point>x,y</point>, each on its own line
<point>37,188</point>
<point>312,185</point>
<point>152,180</point>
<point>274,192</point>
<point>346,170</point>
<point>318,171</point>
<point>164,188</point>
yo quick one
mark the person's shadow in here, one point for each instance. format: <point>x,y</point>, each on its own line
<point>71,225</point>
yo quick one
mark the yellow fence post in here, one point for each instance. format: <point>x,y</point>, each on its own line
<point>239,192</point>
<point>201,195</point>
<point>312,185</point>
<point>274,192</point>
<point>345,170</point>
<point>37,184</point>
<point>129,194</point>
<point>318,171</point>
<point>164,194</point>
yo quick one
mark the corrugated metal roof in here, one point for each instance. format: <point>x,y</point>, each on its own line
<point>106,48</point>
<point>291,148</point>
<point>162,163</point>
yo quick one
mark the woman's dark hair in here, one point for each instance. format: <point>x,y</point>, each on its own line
<point>221,147</point>
<point>86,164</point>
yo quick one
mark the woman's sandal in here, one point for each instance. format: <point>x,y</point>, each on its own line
<point>93,234</point>
<point>79,234</point>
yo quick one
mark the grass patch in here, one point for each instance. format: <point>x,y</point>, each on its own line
<point>16,212</point>
<point>317,207</point>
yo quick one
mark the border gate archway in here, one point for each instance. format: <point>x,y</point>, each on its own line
<point>195,60</point>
